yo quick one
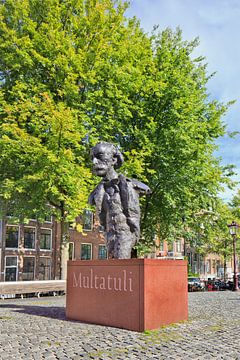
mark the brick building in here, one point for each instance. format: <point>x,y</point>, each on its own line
<point>27,251</point>
<point>32,251</point>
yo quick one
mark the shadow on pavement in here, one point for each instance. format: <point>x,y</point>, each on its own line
<point>52,312</point>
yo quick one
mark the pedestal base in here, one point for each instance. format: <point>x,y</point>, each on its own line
<point>134,294</point>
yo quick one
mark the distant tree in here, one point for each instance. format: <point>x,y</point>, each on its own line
<point>235,205</point>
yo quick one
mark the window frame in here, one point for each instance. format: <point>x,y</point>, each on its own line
<point>35,236</point>
<point>83,223</point>
<point>50,268</point>
<point>34,266</point>
<point>73,250</point>
<point>48,221</point>
<point>15,266</point>
<point>178,246</point>
<point>101,246</point>
<point>51,241</point>
<point>91,246</point>
<point>12,248</point>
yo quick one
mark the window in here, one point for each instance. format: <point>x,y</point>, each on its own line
<point>208,266</point>
<point>178,246</point>
<point>102,252</point>
<point>45,268</point>
<point>45,239</point>
<point>11,268</point>
<point>161,246</point>
<point>87,220</point>
<point>189,255</point>
<point>86,251</point>
<point>28,268</point>
<point>70,251</point>
<point>101,228</point>
<point>48,218</point>
<point>12,235</point>
<point>214,265</point>
<point>29,237</point>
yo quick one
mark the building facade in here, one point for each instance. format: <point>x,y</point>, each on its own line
<point>33,251</point>
<point>28,251</point>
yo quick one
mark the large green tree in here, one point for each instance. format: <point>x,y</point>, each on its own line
<point>77,71</point>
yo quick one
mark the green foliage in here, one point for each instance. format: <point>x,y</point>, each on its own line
<point>210,233</point>
<point>77,71</point>
<point>190,274</point>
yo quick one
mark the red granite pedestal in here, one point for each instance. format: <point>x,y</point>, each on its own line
<point>134,294</point>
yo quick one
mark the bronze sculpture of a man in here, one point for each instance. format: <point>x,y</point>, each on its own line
<point>117,201</point>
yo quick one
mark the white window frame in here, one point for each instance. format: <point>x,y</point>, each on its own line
<point>47,221</point>
<point>91,220</point>
<point>16,226</point>
<point>178,246</point>
<point>91,250</point>
<point>5,262</point>
<point>71,242</point>
<point>35,229</point>
<point>43,228</point>
<point>34,269</point>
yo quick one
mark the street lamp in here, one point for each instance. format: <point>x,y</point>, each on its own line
<point>233,227</point>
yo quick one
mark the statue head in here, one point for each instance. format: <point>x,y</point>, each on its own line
<point>106,158</point>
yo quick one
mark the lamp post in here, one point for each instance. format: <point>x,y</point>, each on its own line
<point>233,231</point>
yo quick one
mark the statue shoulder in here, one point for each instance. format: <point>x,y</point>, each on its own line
<point>137,185</point>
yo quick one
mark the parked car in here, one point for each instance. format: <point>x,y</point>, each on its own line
<point>195,284</point>
<point>218,285</point>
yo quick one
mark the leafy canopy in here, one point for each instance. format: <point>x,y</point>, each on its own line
<point>75,72</point>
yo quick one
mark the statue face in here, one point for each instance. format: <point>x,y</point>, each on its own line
<point>103,160</point>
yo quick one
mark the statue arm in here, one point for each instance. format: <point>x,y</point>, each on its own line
<point>91,199</point>
<point>142,188</point>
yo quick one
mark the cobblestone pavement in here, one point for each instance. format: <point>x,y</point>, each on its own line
<point>35,329</point>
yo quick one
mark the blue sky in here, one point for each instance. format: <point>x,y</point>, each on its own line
<point>217,24</point>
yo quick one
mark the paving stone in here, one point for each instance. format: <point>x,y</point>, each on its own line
<point>36,329</point>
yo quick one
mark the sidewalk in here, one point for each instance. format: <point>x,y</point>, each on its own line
<point>37,329</point>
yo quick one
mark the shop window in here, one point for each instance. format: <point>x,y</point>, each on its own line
<point>28,268</point>
<point>12,236</point>
<point>29,237</point>
<point>86,251</point>
<point>102,252</point>
<point>87,220</point>
<point>44,268</point>
<point>45,239</point>
<point>11,264</point>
